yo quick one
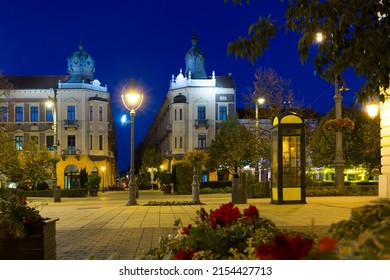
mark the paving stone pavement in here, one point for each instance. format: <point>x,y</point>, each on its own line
<point>103,227</point>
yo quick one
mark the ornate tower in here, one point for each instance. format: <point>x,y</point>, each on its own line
<point>195,61</point>
<point>80,66</point>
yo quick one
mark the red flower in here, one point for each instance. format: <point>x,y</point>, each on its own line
<point>251,213</point>
<point>23,201</point>
<point>183,255</point>
<point>224,215</point>
<point>326,244</point>
<point>186,230</point>
<point>285,248</point>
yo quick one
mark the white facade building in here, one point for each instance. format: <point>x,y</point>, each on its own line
<point>194,106</point>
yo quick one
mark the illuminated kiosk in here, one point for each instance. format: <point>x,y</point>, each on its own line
<point>288,159</point>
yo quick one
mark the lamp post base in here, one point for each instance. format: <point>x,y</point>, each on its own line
<point>339,172</point>
<point>132,192</point>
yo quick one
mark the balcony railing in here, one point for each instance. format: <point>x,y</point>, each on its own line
<point>70,152</point>
<point>202,123</point>
<point>71,123</point>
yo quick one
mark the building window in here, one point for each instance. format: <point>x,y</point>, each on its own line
<point>90,142</point>
<point>175,142</point>
<point>222,113</point>
<point>71,142</point>
<point>3,114</point>
<point>71,113</point>
<point>91,113</point>
<point>100,113</point>
<point>181,114</point>
<point>19,143</point>
<point>181,142</point>
<point>100,142</point>
<point>202,141</point>
<point>34,115</point>
<point>175,115</point>
<point>205,176</point>
<point>49,115</point>
<point>50,142</point>
<point>201,113</point>
<point>19,114</point>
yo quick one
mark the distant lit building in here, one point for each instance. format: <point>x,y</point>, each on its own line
<point>193,108</point>
<point>86,132</point>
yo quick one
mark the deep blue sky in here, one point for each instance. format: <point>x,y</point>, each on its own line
<point>146,40</point>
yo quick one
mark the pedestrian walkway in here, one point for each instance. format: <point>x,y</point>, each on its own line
<point>103,227</point>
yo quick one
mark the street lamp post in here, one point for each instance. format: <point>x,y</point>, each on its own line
<point>259,101</point>
<point>338,162</point>
<point>132,99</point>
<point>53,104</point>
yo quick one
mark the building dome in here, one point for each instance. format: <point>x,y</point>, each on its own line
<point>180,99</point>
<point>195,60</point>
<point>80,66</point>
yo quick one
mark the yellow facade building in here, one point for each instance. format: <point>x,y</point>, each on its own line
<point>85,127</point>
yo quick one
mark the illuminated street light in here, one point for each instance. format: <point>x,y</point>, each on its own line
<point>132,99</point>
<point>372,108</point>
<point>103,169</point>
<point>53,104</point>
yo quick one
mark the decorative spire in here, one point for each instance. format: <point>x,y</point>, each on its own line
<point>195,60</point>
<point>194,39</point>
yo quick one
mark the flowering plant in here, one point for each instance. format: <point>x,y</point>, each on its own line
<point>334,125</point>
<point>15,213</point>
<point>226,233</point>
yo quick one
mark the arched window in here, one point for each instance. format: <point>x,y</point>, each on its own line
<point>72,177</point>
<point>95,170</point>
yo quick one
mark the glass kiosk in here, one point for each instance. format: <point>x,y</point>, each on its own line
<point>288,159</point>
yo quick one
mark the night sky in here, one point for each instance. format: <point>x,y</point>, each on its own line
<point>146,40</point>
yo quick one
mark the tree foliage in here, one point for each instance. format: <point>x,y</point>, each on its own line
<point>83,177</point>
<point>9,162</point>
<point>356,35</point>
<point>360,147</point>
<point>5,84</point>
<point>274,89</point>
<point>93,181</point>
<point>233,146</point>
<point>35,164</point>
<point>151,157</point>
<point>196,159</point>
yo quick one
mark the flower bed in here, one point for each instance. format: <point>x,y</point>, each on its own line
<point>228,233</point>
<point>24,233</point>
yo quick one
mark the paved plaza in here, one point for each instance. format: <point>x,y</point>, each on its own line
<point>103,227</point>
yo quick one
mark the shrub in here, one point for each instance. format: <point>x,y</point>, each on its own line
<point>64,193</point>
<point>366,234</point>
<point>227,189</point>
<point>346,191</point>
<point>182,179</point>
<point>258,190</point>
<point>215,184</point>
